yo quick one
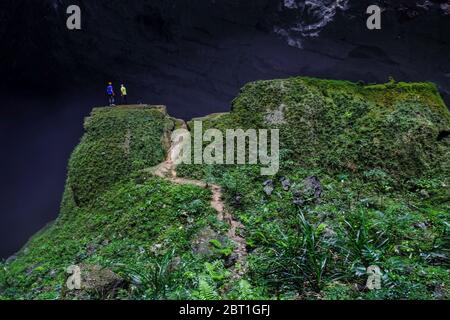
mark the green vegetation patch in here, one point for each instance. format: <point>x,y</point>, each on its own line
<point>130,229</point>
<point>117,142</point>
<point>380,154</point>
<point>364,180</point>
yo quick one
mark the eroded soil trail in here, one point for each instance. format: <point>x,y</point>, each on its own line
<point>167,170</point>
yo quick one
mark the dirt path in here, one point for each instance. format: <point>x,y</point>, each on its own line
<point>167,170</point>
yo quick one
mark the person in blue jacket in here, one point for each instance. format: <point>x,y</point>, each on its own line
<point>111,94</point>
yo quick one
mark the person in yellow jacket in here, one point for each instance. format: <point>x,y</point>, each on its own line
<point>123,93</point>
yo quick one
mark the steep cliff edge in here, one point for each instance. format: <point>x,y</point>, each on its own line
<point>363,181</point>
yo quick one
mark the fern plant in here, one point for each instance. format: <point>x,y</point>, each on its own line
<point>206,290</point>
<point>245,291</point>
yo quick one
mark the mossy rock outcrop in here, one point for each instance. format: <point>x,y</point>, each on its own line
<point>376,161</point>
<point>342,126</point>
<point>117,142</point>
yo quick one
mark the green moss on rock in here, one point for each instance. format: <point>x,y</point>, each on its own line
<point>342,126</point>
<point>117,142</point>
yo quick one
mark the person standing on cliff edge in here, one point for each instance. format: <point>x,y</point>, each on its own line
<point>110,93</point>
<point>123,93</point>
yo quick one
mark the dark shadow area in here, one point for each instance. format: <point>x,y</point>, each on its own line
<point>192,56</point>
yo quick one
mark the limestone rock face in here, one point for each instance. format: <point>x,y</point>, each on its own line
<point>313,187</point>
<point>96,278</point>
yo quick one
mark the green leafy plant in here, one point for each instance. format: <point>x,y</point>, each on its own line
<point>245,291</point>
<point>205,290</point>
<point>363,241</point>
<point>155,279</point>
